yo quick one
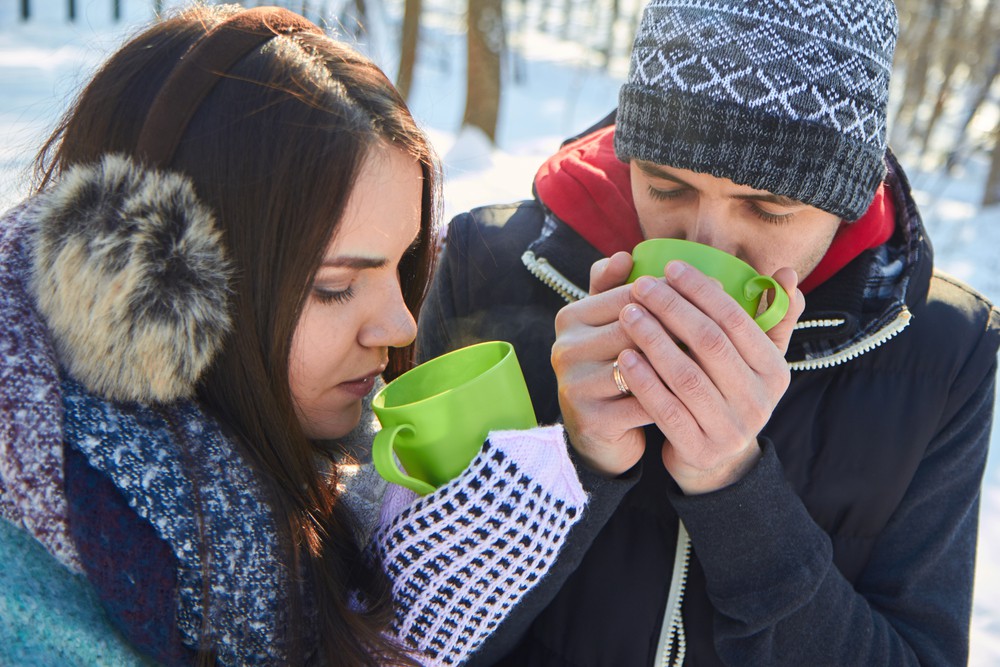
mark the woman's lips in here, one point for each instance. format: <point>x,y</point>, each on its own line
<point>362,386</point>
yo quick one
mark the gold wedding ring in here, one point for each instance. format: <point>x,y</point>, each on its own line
<point>619,380</point>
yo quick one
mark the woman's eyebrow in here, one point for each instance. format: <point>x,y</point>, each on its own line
<point>347,262</point>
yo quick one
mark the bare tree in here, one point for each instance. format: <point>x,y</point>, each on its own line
<point>485,46</point>
<point>609,45</point>
<point>954,48</point>
<point>917,69</point>
<point>408,48</point>
<point>992,193</point>
<point>567,13</point>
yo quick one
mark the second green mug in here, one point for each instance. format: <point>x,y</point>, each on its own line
<point>740,280</point>
<point>435,417</point>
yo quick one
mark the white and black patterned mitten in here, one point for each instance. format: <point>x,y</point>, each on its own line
<point>461,558</point>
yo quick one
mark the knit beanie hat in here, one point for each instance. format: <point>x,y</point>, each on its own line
<point>785,96</point>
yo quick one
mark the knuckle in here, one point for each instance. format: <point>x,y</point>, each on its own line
<point>557,355</point>
<point>670,301</point>
<point>778,377</point>
<point>783,377</point>
<point>671,414</point>
<point>712,341</point>
<point>660,346</point>
<point>736,320</point>
<point>690,381</point>
<point>571,396</point>
<point>663,299</point>
<point>564,318</point>
<point>698,286</point>
<point>759,411</point>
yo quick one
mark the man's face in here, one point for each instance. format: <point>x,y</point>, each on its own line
<point>767,231</point>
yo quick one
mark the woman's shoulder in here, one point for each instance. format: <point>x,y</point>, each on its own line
<point>132,569</point>
<point>51,615</point>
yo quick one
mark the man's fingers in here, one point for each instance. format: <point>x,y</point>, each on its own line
<point>610,272</point>
<point>781,332</point>
<point>594,311</point>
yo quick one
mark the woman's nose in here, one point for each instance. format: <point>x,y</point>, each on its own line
<point>392,325</point>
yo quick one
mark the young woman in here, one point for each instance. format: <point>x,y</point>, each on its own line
<point>229,240</point>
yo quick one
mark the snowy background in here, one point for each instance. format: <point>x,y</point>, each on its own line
<point>560,91</point>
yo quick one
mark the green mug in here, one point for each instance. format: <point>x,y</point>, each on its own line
<point>740,280</point>
<point>435,417</point>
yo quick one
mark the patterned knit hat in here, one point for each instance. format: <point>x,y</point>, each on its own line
<point>786,96</point>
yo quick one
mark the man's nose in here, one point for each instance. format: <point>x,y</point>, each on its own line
<point>710,226</point>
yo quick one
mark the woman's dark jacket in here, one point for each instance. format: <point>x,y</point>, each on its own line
<point>853,540</point>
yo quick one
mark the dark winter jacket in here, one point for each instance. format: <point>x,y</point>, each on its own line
<point>852,541</point>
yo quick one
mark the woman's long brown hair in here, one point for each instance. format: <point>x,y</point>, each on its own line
<point>274,149</point>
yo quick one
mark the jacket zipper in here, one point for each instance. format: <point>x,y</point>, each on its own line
<point>549,275</point>
<point>672,638</point>
<point>901,321</point>
<point>541,269</point>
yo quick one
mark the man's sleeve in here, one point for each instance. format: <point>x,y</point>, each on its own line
<point>779,598</point>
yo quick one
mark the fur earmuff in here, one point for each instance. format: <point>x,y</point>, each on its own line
<point>132,278</point>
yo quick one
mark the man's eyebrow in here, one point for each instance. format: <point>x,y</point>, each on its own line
<point>658,172</point>
<point>345,262</point>
<point>780,200</point>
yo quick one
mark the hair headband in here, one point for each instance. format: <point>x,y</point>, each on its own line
<point>200,69</point>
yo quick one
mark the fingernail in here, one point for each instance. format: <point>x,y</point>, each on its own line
<point>631,313</point>
<point>644,285</point>
<point>628,359</point>
<point>676,268</point>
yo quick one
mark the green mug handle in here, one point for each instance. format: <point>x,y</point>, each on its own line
<point>778,306</point>
<point>385,462</point>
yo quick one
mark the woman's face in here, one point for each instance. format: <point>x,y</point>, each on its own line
<point>355,311</point>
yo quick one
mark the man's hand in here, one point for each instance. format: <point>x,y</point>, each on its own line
<point>712,399</point>
<point>604,425</point>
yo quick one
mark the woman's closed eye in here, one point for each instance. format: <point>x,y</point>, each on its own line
<point>326,296</point>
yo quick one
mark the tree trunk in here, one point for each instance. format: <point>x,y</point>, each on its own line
<point>485,45</point>
<point>408,48</point>
<point>916,76</point>
<point>543,14</point>
<point>609,44</point>
<point>992,193</point>
<point>955,50</point>
<point>979,97</point>
<point>567,18</point>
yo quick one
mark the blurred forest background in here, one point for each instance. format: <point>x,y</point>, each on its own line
<point>497,84</point>
<point>943,107</point>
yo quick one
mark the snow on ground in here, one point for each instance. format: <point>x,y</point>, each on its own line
<point>560,92</point>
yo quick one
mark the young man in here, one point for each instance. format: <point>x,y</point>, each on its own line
<point>805,496</point>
